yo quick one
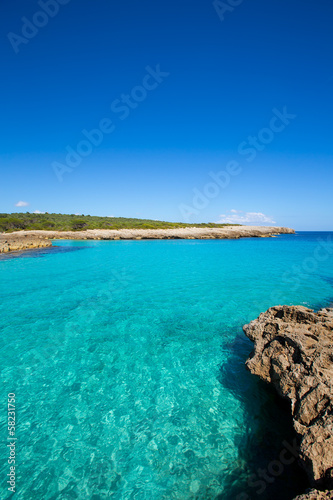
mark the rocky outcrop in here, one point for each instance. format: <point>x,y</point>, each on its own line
<point>228,232</point>
<point>316,495</point>
<point>293,350</point>
<point>16,242</point>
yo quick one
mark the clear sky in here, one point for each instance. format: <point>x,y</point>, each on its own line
<point>183,110</point>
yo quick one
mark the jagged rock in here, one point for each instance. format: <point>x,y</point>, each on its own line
<point>316,495</point>
<point>293,350</point>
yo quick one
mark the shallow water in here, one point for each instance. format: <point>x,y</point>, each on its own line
<point>127,360</point>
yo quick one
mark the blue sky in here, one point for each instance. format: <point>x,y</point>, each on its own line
<point>180,111</point>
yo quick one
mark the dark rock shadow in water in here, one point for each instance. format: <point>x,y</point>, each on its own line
<point>40,252</point>
<point>269,427</point>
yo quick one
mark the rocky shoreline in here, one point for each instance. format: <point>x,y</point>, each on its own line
<point>293,351</point>
<point>16,242</point>
<point>21,240</point>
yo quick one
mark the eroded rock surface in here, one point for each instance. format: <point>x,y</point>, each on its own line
<point>316,495</point>
<point>293,350</point>
<point>14,242</point>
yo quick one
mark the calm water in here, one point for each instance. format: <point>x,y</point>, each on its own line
<point>127,360</point>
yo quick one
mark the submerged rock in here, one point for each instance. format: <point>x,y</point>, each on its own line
<point>293,350</point>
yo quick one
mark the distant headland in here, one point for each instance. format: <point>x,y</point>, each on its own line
<point>27,231</point>
<point>75,222</point>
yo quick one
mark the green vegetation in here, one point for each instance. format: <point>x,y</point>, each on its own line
<point>61,222</point>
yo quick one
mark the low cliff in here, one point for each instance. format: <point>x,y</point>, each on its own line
<point>293,350</point>
<point>17,242</point>
<point>228,232</point>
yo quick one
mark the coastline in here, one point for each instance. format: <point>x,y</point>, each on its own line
<point>21,240</point>
<point>219,247</point>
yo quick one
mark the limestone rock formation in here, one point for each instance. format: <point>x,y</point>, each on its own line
<point>17,242</point>
<point>293,350</point>
<point>190,233</point>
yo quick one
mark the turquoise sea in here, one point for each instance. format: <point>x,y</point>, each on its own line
<point>127,362</point>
